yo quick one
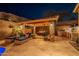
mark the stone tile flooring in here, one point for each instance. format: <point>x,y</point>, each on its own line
<point>39,47</point>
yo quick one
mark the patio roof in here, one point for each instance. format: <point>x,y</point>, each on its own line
<point>51,19</point>
<point>76,8</point>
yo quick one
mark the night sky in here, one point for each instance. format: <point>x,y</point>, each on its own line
<point>33,10</point>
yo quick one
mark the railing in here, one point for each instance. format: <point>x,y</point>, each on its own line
<point>75,38</point>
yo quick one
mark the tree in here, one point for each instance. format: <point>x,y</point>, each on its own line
<point>60,13</point>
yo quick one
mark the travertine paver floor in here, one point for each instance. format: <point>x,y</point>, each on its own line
<point>39,47</point>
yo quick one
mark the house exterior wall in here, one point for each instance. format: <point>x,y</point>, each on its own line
<point>6,28</point>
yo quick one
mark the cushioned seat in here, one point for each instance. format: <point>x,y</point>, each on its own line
<point>21,38</point>
<point>2,50</point>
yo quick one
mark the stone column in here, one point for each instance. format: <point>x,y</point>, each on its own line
<point>51,27</point>
<point>34,31</point>
<point>52,30</point>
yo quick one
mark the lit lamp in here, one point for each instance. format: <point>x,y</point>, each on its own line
<point>17,28</point>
